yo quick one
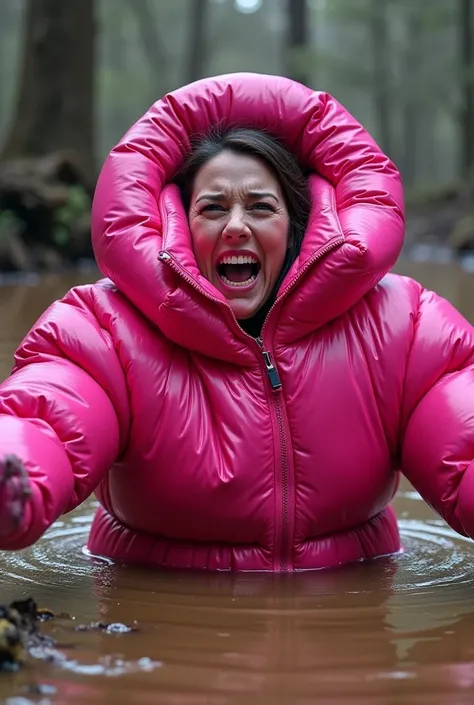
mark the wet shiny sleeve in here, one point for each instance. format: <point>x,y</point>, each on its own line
<point>62,412</point>
<point>437,449</point>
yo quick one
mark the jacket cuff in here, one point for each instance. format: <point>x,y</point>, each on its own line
<point>465,504</point>
<point>49,472</point>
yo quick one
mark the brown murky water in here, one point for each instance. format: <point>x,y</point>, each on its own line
<point>397,630</point>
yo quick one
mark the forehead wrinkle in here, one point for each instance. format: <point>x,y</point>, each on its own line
<point>218,191</point>
<point>228,172</point>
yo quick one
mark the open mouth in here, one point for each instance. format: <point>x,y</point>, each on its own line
<point>238,270</point>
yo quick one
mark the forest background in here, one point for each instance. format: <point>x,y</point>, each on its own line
<point>75,74</point>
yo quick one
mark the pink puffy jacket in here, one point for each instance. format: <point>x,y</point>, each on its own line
<point>206,448</point>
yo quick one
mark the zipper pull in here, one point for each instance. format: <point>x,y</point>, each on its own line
<point>272,372</point>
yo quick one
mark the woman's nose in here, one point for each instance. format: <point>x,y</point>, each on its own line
<point>236,228</point>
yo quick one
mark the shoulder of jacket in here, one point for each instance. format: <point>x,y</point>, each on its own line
<point>399,291</point>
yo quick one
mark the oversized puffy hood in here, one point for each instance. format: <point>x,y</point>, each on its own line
<point>139,226</point>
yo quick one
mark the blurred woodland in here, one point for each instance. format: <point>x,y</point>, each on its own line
<point>76,74</point>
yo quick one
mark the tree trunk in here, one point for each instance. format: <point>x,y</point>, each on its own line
<point>196,55</point>
<point>153,48</point>
<point>467,85</point>
<point>6,28</point>
<point>114,38</point>
<point>411,116</point>
<point>381,73</point>
<point>55,104</point>
<point>298,41</point>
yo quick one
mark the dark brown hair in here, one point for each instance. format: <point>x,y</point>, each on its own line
<point>283,164</point>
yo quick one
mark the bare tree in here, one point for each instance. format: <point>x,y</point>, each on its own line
<point>412,114</point>
<point>298,41</point>
<point>7,27</point>
<point>466,60</point>
<point>197,52</point>
<point>380,41</point>
<point>152,44</point>
<point>55,103</point>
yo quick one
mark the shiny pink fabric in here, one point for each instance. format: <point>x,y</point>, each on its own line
<point>144,389</point>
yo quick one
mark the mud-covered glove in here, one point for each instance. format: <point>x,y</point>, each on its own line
<point>15,490</point>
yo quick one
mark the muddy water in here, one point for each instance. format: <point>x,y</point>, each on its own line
<point>397,630</point>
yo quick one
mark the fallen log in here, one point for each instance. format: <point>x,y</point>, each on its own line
<point>44,213</point>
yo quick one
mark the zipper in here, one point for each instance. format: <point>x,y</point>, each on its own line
<point>283,537</point>
<point>335,242</point>
<point>282,531</point>
<point>285,534</point>
<point>272,371</point>
<point>165,256</point>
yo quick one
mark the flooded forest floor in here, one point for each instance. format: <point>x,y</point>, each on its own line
<point>440,224</point>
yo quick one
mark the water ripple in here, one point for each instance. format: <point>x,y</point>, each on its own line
<point>434,555</point>
<point>374,623</point>
<point>57,557</point>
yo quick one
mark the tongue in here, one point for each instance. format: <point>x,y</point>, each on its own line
<point>237,272</point>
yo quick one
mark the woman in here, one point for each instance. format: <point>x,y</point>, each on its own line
<point>240,397</point>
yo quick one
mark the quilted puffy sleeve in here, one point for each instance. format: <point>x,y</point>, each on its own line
<point>63,412</point>
<point>437,451</point>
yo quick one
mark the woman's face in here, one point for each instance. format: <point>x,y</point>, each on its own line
<point>239,226</point>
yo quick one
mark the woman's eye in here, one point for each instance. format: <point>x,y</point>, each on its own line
<point>212,207</point>
<point>262,207</point>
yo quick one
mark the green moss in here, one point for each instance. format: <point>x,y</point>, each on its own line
<point>8,223</point>
<point>77,205</point>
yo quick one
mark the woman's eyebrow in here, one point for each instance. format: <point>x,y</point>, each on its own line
<point>217,196</point>
<point>262,194</point>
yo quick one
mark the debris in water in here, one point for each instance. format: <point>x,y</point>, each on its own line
<point>40,689</point>
<point>11,641</point>
<point>113,628</point>
<point>19,632</point>
<point>44,615</point>
<point>20,636</point>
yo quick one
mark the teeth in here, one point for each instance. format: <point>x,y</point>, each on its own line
<point>239,259</point>
<point>237,284</point>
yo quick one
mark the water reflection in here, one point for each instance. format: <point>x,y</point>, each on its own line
<point>395,630</point>
<point>396,627</point>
